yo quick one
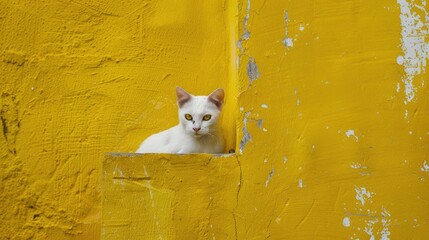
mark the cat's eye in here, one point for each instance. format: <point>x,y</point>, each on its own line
<point>207,117</point>
<point>188,117</point>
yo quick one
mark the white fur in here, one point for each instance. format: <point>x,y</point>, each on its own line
<point>182,138</point>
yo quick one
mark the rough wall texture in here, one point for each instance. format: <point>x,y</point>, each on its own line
<point>160,196</point>
<point>332,109</point>
<point>81,78</point>
<point>334,120</point>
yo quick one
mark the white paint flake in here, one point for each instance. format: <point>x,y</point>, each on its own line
<point>288,42</point>
<point>414,23</point>
<point>363,170</point>
<point>425,167</point>
<point>346,222</point>
<point>355,165</point>
<point>363,195</point>
<point>284,160</point>
<point>300,185</point>
<point>369,228</point>
<point>264,106</point>
<point>351,133</point>
<point>400,60</point>
<point>385,222</point>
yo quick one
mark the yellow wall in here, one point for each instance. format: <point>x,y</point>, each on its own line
<point>81,78</point>
<point>330,100</point>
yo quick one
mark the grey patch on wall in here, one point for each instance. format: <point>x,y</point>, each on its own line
<point>246,134</point>
<point>252,70</point>
<point>5,129</point>
<point>259,123</point>
<point>246,34</point>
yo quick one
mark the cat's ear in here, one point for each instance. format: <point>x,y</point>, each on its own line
<point>182,96</point>
<point>216,97</point>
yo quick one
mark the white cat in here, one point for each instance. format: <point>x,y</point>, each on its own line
<point>198,129</point>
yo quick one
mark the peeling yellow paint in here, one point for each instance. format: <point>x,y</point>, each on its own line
<point>327,107</point>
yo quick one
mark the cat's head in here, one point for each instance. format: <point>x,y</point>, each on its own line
<point>199,115</point>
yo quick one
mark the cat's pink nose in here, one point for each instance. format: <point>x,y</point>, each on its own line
<point>196,129</point>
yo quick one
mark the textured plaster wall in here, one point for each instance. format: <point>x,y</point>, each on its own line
<point>330,100</point>
<point>334,120</point>
<point>81,78</point>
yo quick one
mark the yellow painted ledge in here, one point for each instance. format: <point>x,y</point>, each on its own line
<point>165,196</point>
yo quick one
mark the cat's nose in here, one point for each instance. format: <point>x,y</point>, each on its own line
<point>196,129</point>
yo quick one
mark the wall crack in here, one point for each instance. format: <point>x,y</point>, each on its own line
<point>234,213</point>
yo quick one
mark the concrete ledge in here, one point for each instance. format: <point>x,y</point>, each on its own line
<point>166,196</point>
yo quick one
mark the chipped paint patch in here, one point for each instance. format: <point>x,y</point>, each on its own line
<point>385,222</point>
<point>357,165</point>
<point>246,135</point>
<point>246,34</point>
<point>369,228</point>
<point>351,133</point>
<point>270,176</point>
<point>284,160</point>
<point>363,195</point>
<point>259,123</point>
<point>425,167</point>
<point>375,225</point>
<point>414,23</point>
<point>287,41</point>
<point>346,222</point>
<point>300,184</point>
<point>252,70</point>
<point>264,106</point>
<point>363,169</point>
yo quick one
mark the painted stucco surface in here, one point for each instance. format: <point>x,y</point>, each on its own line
<point>82,78</point>
<point>193,198</point>
<point>342,145</point>
<point>329,100</point>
